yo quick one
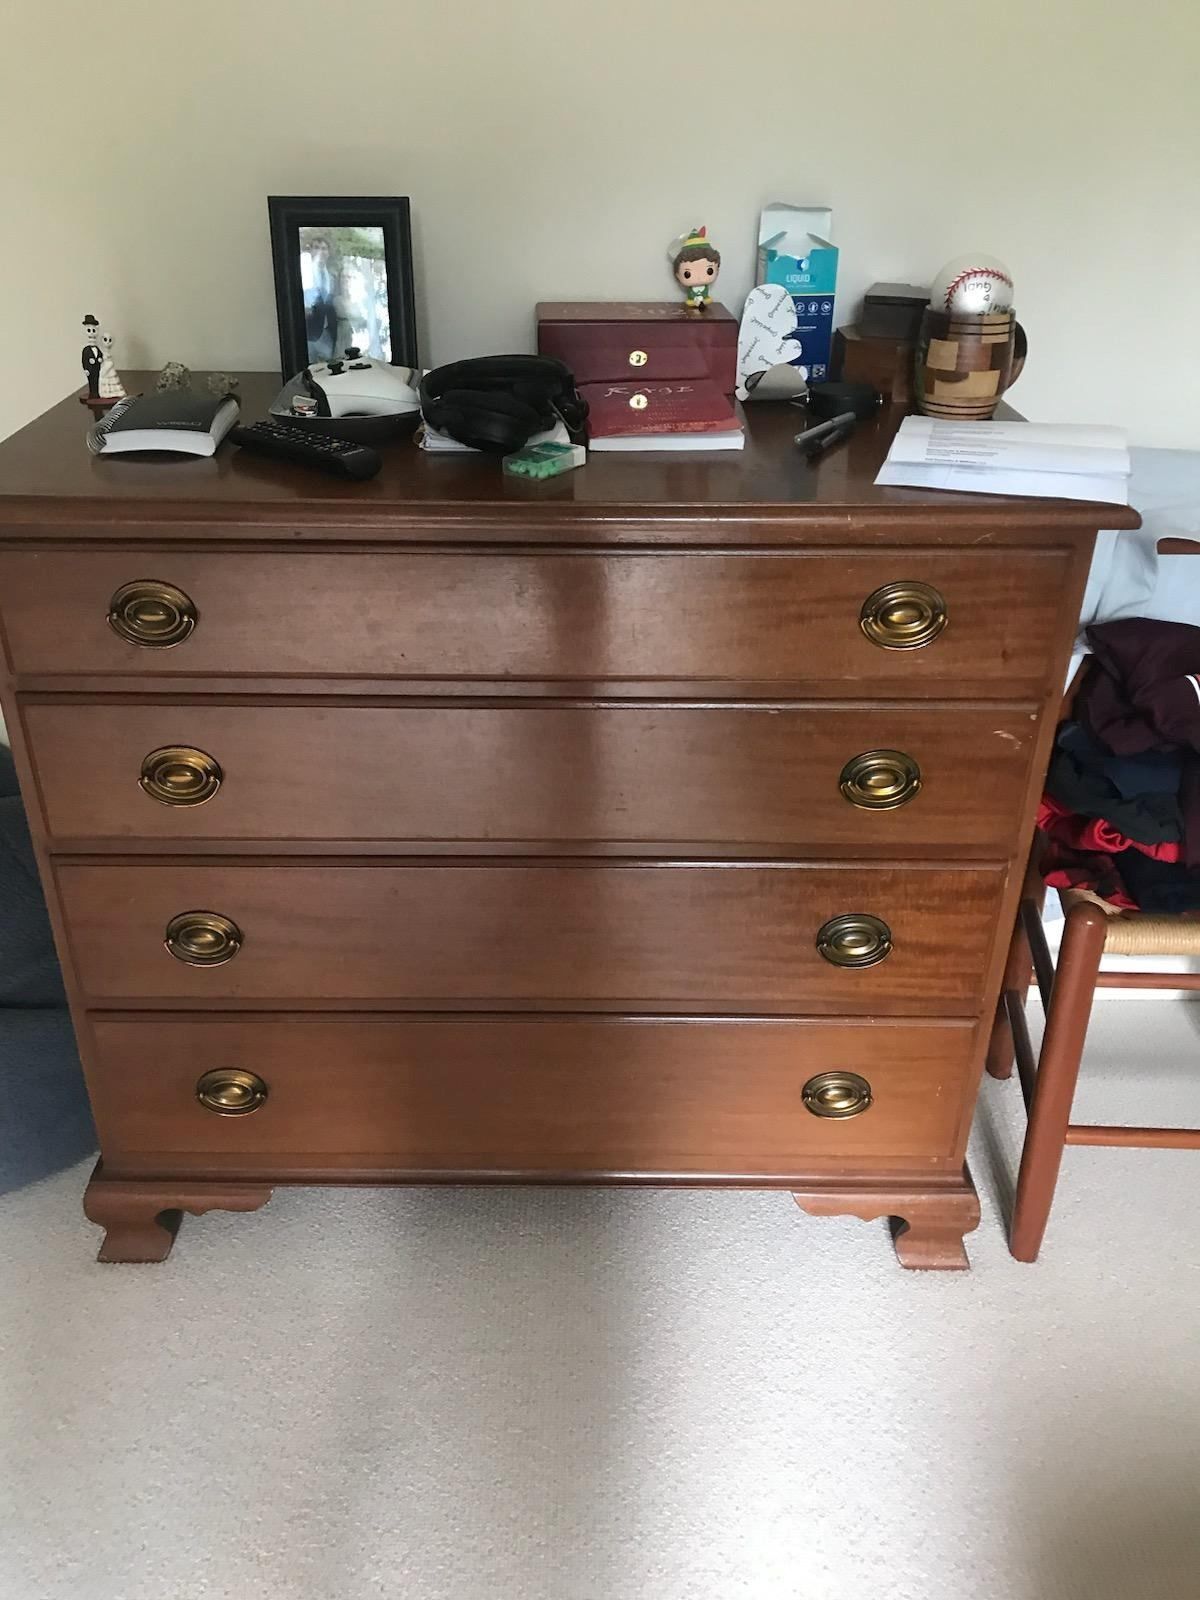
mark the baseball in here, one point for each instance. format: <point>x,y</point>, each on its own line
<point>976,285</point>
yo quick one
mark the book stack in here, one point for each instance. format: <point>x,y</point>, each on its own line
<point>684,415</point>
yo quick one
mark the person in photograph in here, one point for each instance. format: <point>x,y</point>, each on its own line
<point>379,309</point>
<point>361,305</point>
<point>319,276</point>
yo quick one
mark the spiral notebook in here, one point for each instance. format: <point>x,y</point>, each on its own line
<point>189,421</point>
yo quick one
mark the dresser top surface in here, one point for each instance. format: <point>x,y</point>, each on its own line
<point>48,477</point>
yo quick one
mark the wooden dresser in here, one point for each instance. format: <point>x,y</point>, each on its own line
<point>661,824</point>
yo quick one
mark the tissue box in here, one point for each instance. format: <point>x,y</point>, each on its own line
<point>652,341</point>
<point>794,250</point>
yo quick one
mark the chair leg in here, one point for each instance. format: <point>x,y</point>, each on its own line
<point>1016,977</point>
<point>1058,1071</point>
<point>1018,974</point>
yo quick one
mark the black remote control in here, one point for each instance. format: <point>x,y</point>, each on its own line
<point>283,442</point>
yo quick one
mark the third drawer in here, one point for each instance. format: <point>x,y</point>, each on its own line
<point>890,776</point>
<point>712,937</point>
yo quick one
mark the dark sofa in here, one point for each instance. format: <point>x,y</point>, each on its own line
<point>45,1123</point>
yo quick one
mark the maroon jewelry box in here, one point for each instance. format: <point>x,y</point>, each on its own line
<point>614,341</point>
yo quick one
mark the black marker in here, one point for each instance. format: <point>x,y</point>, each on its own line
<point>814,440</point>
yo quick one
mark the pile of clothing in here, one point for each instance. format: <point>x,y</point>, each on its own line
<point>1121,812</point>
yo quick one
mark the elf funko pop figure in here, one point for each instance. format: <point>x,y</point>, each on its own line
<point>696,264</point>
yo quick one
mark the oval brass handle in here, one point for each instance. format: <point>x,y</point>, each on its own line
<point>203,938</point>
<point>230,1092</point>
<point>638,358</point>
<point>880,780</point>
<point>153,614</point>
<point>903,616</point>
<point>855,940</point>
<point>837,1094</point>
<point>178,775</point>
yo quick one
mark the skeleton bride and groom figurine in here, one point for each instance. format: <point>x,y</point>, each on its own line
<point>104,381</point>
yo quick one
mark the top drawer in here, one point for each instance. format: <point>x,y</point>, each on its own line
<point>958,620</point>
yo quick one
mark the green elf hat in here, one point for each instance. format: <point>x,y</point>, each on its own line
<point>696,240</point>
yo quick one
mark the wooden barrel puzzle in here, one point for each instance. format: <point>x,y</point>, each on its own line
<point>965,363</point>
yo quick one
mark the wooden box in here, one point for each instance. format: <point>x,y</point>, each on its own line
<point>612,341</point>
<point>886,364</point>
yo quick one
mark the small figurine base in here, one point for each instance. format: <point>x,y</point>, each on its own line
<point>99,402</point>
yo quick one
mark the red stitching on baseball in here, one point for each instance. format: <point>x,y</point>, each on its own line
<point>971,272</point>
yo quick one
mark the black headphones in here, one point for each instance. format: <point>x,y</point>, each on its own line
<point>497,403</point>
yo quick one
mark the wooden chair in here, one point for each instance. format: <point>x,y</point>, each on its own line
<point>1067,991</point>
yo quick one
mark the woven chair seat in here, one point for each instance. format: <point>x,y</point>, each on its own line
<point>1138,933</point>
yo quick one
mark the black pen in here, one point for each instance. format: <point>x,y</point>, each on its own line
<point>814,440</point>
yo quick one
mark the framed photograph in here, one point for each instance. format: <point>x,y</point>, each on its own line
<point>343,276</point>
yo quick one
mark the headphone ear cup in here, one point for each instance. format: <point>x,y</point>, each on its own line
<point>483,420</point>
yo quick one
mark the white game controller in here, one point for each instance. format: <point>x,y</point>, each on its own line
<point>358,386</point>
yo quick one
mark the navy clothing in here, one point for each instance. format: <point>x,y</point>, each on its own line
<point>1156,772</point>
<point>1079,779</point>
<point>1158,886</point>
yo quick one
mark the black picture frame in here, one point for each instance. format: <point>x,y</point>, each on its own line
<point>288,214</point>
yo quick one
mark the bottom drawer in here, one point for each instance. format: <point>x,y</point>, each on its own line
<point>533,1096</point>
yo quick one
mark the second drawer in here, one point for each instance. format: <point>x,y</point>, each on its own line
<point>897,776</point>
<point>784,937</point>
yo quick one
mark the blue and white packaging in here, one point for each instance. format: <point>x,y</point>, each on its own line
<point>794,250</point>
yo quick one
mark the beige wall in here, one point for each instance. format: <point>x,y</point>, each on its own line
<point>553,151</point>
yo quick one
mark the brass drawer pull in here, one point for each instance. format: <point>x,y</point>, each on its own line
<point>178,775</point>
<point>638,358</point>
<point>855,940</point>
<point>203,938</point>
<point>903,616</point>
<point>230,1092</point>
<point>153,614</point>
<point>880,780</point>
<point>837,1094</point>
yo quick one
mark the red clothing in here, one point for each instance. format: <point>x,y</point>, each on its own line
<point>1094,836</point>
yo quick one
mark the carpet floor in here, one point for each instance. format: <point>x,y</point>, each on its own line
<point>615,1395</point>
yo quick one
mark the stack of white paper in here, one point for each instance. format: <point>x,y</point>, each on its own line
<point>442,443</point>
<point>1054,460</point>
